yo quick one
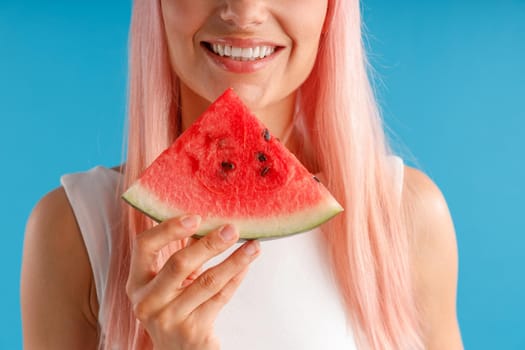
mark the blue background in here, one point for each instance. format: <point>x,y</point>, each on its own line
<point>450,78</point>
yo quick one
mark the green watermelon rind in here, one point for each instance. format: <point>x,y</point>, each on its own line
<point>272,227</point>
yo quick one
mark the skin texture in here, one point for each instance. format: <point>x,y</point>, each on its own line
<point>435,262</point>
<point>59,301</point>
<point>58,295</point>
<point>179,313</point>
<point>178,304</point>
<point>268,92</point>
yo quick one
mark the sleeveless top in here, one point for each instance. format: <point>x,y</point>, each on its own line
<point>288,300</point>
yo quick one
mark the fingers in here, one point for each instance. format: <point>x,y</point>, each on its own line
<point>174,292</point>
<point>147,245</point>
<point>178,271</point>
<point>210,287</point>
<point>193,276</point>
<point>207,312</point>
<point>184,262</point>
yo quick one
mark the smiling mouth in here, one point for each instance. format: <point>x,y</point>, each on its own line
<point>241,53</point>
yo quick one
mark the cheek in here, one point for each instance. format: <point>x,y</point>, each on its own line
<point>181,28</point>
<point>313,24</point>
<point>311,18</point>
<point>306,31</point>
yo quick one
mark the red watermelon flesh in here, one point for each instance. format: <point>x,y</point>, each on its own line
<point>228,168</point>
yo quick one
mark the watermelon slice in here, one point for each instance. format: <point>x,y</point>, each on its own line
<point>228,168</point>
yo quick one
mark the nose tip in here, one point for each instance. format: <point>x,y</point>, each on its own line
<point>244,14</point>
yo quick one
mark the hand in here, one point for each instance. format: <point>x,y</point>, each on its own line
<point>179,313</point>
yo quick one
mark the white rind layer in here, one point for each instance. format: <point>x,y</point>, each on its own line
<point>249,228</point>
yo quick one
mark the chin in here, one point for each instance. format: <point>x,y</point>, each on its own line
<point>254,96</point>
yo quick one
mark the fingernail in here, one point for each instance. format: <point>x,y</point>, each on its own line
<point>190,221</point>
<point>252,247</point>
<point>227,233</point>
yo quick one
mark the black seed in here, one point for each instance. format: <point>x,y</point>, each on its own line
<point>266,134</point>
<point>265,171</point>
<point>227,166</point>
<point>316,179</point>
<point>261,157</point>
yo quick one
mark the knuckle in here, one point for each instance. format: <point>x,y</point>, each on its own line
<point>237,279</point>
<point>163,322</point>
<point>189,332</point>
<point>177,264</point>
<point>141,311</point>
<point>209,244</point>
<point>222,297</point>
<point>210,342</point>
<point>171,226</point>
<point>240,260</point>
<point>208,281</point>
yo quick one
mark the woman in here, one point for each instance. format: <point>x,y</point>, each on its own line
<point>97,273</point>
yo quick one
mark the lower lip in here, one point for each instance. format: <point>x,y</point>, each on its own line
<point>235,66</point>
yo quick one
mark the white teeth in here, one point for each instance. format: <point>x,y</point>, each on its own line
<point>247,52</point>
<point>236,52</point>
<point>256,51</point>
<point>263,52</point>
<point>244,54</point>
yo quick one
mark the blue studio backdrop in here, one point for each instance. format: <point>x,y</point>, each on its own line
<point>450,79</point>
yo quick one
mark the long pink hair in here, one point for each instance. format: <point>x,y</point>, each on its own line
<point>368,243</point>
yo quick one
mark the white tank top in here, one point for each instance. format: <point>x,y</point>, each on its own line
<point>288,300</point>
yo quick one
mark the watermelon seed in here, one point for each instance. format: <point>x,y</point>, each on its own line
<point>266,134</point>
<point>227,166</point>
<point>316,179</point>
<point>261,157</point>
<point>265,171</point>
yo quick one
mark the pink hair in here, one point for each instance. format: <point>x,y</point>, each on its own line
<point>368,243</point>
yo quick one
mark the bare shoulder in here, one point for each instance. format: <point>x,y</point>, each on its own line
<point>435,259</point>
<point>57,293</point>
<point>426,207</point>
